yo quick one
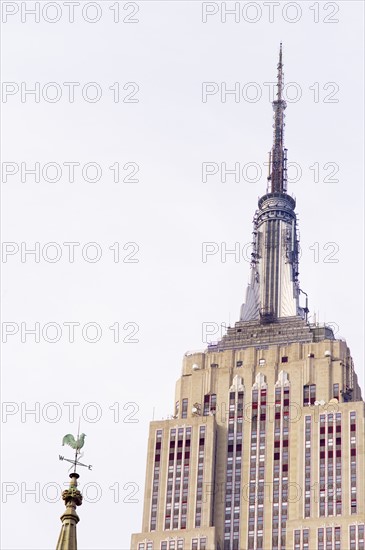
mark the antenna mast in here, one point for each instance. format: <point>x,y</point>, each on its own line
<point>278,158</point>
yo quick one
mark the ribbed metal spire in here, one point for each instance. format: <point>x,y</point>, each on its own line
<point>274,289</point>
<point>277,175</point>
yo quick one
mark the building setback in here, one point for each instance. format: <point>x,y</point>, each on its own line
<point>266,446</point>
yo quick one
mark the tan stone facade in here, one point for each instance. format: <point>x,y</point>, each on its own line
<point>321,430</point>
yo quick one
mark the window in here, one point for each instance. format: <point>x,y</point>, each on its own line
<point>329,538</point>
<point>284,359</point>
<point>337,538</point>
<point>353,462</point>
<point>214,365</point>
<point>156,476</point>
<point>330,465</point>
<point>239,363</point>
<point>199,494</point>
<point>210,404</point>
<point>353,541</point>
<point>262,362</point>
<point>281,466</point>
<point>336,391</point>
<point>309,394</point>
<point>257,469</point>
<point>308,461</point>
<point>177,492</point>
<point>184,411</point>
<point>234,453</point>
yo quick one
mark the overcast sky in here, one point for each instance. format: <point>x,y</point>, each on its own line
<point>154,125</point>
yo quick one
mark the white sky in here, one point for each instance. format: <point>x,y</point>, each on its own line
<point>169,213</point>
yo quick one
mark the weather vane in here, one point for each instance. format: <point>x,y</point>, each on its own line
<point>76,444</point>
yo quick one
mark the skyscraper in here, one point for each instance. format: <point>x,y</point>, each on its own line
<point>266,445</point>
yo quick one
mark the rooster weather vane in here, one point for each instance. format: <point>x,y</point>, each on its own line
<point>76,444</point>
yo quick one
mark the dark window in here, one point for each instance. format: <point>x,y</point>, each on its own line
<point>210,404</point>
<point>184,409</point>
<point>284,359</point>
<point>309,394</point>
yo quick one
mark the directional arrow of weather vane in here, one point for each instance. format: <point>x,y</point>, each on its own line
<point>76,444</point>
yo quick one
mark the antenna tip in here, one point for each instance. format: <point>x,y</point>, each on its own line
<point>281,53</point>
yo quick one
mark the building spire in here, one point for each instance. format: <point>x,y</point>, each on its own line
<point>277,172</point>
<point>72,498</point>
<point>274,289</point>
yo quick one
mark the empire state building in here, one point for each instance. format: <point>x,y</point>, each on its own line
<point>265,449</point>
